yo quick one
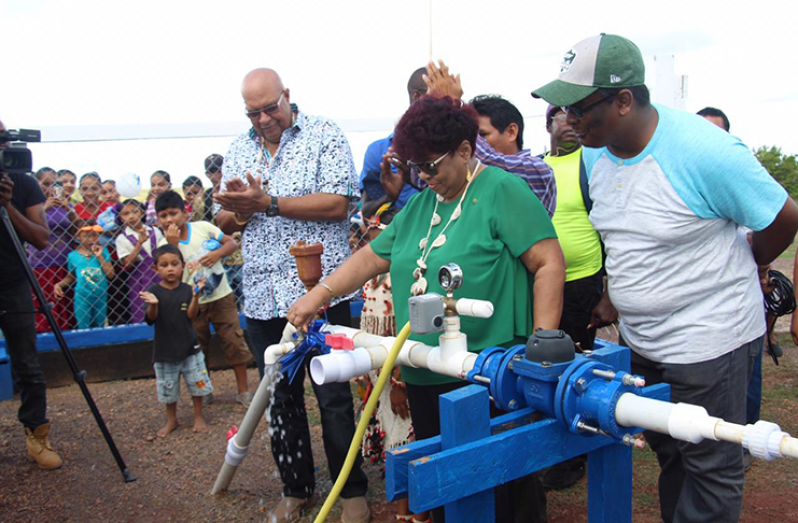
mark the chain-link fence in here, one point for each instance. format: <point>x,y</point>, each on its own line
<point>92,274</point>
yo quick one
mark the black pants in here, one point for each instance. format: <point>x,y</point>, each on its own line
<point>580,297</point>
<point>290,434</point>
<point>702,483</point>
<point>520,501</point>
<point>17,324</point>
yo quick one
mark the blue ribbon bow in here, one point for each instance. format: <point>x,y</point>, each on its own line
<point>314,340</point>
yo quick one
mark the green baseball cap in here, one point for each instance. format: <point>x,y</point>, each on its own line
<point>602,61</point>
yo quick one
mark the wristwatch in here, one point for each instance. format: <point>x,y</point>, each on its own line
<point>273,209</point>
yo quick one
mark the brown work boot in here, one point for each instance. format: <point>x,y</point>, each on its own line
<point>289,509</point>
<point>39,449</point>
<point>356,510</point>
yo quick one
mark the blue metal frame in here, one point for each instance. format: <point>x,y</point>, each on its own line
<point>474,454</point>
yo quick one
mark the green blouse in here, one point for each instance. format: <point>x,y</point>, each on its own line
<point>501,219</point>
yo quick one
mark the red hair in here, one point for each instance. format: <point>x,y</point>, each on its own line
<point>434,126</point>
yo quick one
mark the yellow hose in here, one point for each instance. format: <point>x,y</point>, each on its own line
<point>371,404</point>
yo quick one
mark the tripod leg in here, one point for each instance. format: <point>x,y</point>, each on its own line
<point>77,374</point>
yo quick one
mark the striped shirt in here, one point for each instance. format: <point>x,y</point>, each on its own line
<point>528,167</point>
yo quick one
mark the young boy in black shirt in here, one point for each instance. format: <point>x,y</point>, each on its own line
<point>171,304</point>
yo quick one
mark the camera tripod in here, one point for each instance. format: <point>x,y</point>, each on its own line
<point>78,375</point>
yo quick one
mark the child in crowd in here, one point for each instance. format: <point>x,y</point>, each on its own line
<point>135,246</point>
<point>90,266</point>
<point>109,193</point>
<point>49,264</point>
<point>217,305</point>
<point>171,305</point>
<point>68,181</point>
<point>195,198</point>
<point>90,187</point>
<point>160,182</point>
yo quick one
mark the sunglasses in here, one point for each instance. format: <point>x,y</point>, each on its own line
<point>270,109</point>
<point>431,168</point>
<point>579,112</point>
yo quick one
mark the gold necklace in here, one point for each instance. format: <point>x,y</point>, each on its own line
<point>420,286</point>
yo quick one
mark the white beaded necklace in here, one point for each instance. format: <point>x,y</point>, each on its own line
<point>420,286</point>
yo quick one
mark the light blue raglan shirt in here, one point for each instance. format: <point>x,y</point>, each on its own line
<point>682,278</point>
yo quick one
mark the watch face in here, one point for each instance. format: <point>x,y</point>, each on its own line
<point>273,210</point>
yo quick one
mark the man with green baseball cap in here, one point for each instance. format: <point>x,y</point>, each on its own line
<point>603,61</point>
<point>669,190</point>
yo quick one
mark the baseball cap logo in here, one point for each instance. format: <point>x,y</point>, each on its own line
<point>567,61</point>
<point>615,79</point>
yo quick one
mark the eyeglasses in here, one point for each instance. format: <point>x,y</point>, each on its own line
<point>431,168</point>
<point>579,112</point>
<point>270,109</point>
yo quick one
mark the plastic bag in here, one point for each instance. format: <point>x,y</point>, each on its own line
<point>213,276</point>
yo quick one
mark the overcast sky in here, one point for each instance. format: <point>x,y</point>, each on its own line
<point>109,62</point>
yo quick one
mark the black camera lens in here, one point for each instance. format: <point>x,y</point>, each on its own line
<point>437,321</point>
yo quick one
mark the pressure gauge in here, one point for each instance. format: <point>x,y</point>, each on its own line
<point>450,276</point>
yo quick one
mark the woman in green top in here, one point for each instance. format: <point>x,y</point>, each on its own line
<point>484,219</point>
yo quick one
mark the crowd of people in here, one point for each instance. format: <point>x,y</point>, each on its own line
<point>635,213</point>
<point>99,255</point>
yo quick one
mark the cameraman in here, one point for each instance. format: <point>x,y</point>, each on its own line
<point>22,198</point>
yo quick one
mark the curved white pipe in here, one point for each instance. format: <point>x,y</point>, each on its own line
<point>274,352</point>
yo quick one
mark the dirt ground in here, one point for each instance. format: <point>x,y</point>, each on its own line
<point>175,475</point>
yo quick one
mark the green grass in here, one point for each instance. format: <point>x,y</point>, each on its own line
<point>790,251</point>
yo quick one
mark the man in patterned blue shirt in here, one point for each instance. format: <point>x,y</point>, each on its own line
<point>291,177</point>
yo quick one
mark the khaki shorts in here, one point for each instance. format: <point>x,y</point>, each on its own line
<point>223,314</point>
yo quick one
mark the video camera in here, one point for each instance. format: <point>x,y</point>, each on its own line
<point>17,158</point>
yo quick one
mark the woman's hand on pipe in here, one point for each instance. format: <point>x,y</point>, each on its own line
<point>305,308</point>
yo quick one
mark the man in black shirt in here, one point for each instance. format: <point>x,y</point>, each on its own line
<point>22,198</point>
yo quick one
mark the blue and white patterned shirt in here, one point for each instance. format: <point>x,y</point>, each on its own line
<point>313,157</point>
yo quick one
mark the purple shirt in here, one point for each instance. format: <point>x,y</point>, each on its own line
<point>59,244</point>
<point>531,169</point>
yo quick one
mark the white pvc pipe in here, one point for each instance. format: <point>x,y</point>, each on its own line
<point>648,414</point>
<point>452,359</point>
<point>474,308</point>
<point>274,352</point>
<point>692,423</point>
<point>238,445</point>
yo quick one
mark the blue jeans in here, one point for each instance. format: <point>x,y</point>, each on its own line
<point>290,434</point>
<point>753,401</point>
<point>17,324</point>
